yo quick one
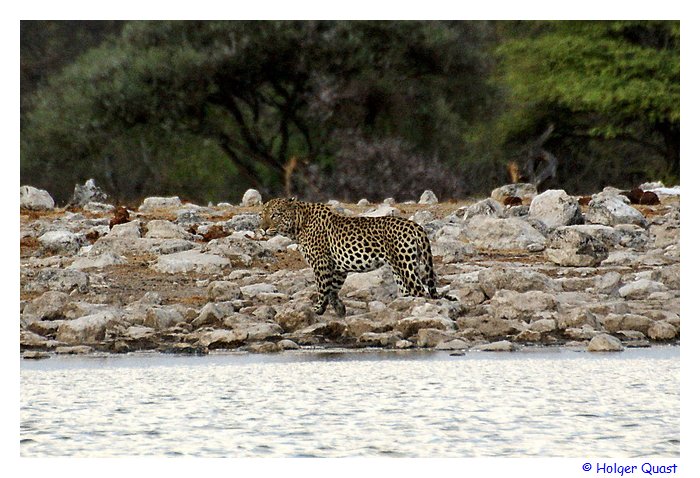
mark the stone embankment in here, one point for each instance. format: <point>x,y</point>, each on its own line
<point>601,273</point>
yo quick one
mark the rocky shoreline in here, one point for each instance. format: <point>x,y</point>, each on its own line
<point>600,273</point>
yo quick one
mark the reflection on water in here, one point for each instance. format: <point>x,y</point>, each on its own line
<point>542,403</point>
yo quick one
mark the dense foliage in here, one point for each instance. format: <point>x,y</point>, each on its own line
<point>344,109</point>
<point>611,90</point>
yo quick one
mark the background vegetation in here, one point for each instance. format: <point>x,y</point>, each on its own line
<point>346,110</point>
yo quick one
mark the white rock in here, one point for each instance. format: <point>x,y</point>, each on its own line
<point>371,285</point>
<point>421,217</point>
<point>253,290</point>
<point>522,190</point>
<point>33,198</point>
<point>98,262</point>
<point>64,280</point>
<point>128,230</point>
<point>543,325</point>
<point>502,234</point>
<point>431,337</point>
<point>222,339</point>
<point>251,198</point>
<point>501,346</point>
<point>660,330</point>
<point>286,344</point>
<point>428,197</point>
<point>190,261</point>
<point>162,229</point>
<point>455,344</point>
<point>498,278</point>
<point>411,325</point>
<point>486,207</point>
<point>276,243</point>
<point>61,242</point>
<point>381,210</point>
<point>507,304</point>
<point>452,250</point>
<point>572,247</point>
<point>611,211</point>
<point>223,290</point>
<point>48,306</point>
<point>640,289</point>
<point>608,235</point>
<point>651,185</point>
<point>214,312</point>
<point>85,330</point>
<point>555,208</point>
<point>605,343</point>
<point>98,207</point>
<point>155,203</point>
<point>160,318</point>
<point>89,192</point>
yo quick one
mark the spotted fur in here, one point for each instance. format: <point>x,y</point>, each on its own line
<point>335,245</point>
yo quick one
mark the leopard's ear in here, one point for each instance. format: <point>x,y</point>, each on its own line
<point>293,199</point>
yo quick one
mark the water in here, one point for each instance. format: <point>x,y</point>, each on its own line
<point>545,403</point>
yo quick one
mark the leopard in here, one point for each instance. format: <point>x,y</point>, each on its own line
<point>334,245</point>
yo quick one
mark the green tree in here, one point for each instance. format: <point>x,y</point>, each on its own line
<point>611,89</point>
<point>255,93</point>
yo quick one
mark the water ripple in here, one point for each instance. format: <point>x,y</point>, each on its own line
<point>549,404</point>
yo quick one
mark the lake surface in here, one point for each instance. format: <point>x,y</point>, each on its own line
<point>542,403</point>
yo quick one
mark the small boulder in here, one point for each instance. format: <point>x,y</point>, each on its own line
<point>295,315</point>
<point>190,261</point>
<point>500,346</point>
<point>251,198</point>
<point>86,193</point>
<point>497,278</point>
<point>572,247</point>
<point>604,343</point>
<point>660,330</point>
<point>286,344</point>
<point>428,197</point>
<point>486,207</point>
<point>85,330</point>
<point>163,317</point>
<point>612,210</point>
<point>154,203</point>
<point>214,312</point>
<point>527,306</point>
<point>98,262</point>
<point>432,337</point>
<point>411,325</point>
<point>502,234</point>
<point>555,208</point>
<point>61,242</point>
<point>222,339</point>
<point>50,305</point>
<point>379,339</point>
<point>162,229</point>
<point>524,191</point>
<point>381,211</point>
<point>454,344</point>
<point>640,289</point>
<point>254,290</point>
<point>35,199</point>
<point>223,290</point>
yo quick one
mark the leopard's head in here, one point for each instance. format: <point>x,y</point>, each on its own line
<point>279,216</point>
